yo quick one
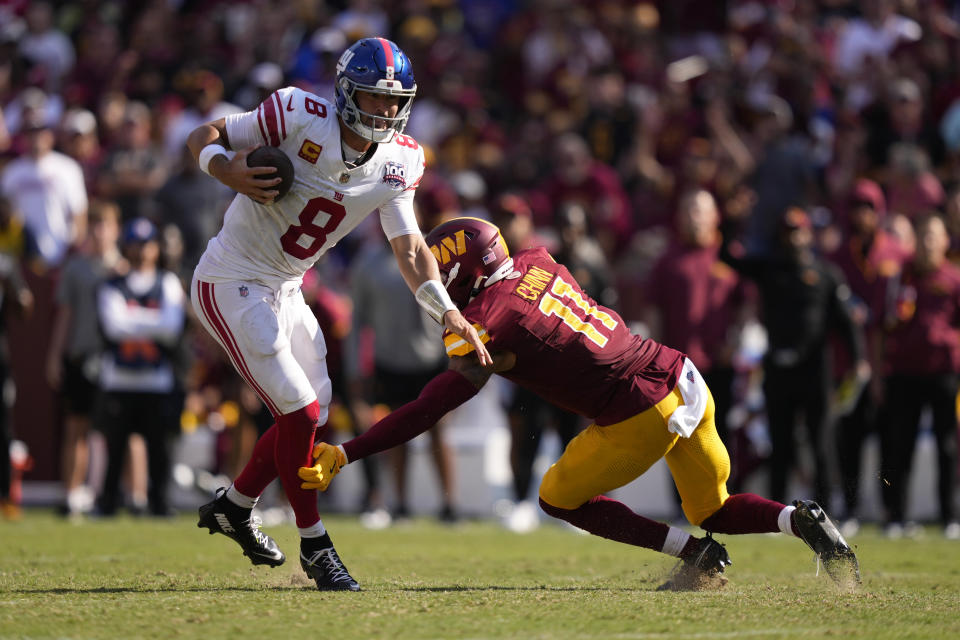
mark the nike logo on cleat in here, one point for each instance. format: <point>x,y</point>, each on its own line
<point>224,523</point>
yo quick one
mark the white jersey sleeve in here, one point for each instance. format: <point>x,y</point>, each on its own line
<point>397,216</point>
<point>270,124</point>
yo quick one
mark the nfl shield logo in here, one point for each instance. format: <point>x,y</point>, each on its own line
<point>690,376</point>
<point>244,292</point>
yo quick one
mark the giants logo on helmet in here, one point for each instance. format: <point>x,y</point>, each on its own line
<point>345,60</point>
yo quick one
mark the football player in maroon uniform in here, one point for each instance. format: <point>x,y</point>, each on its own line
<point>646,400</point>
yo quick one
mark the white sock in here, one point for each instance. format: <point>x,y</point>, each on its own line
<point>241,500</point>
<point>784,519</point>
<point>316,531</point>
<point>676,540</point>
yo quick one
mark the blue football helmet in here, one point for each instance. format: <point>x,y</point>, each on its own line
<point>376,65</point>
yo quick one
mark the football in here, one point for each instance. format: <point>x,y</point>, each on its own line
<point>273,157</point>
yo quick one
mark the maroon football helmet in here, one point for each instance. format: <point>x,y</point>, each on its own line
<point>468,250</point>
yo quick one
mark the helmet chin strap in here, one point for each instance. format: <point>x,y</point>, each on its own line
<point>482,282</point>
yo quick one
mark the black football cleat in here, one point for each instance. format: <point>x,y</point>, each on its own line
<point>823,537</point>
<point>238,524</point>
<point>325,567</point>
<point>702,567</point>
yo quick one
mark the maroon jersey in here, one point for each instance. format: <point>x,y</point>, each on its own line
<point>869,273</point>
<point>571,351</point>
<point>698,296</point>
<point>923,323</point>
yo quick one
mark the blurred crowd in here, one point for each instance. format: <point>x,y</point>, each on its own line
<point>771,186</point>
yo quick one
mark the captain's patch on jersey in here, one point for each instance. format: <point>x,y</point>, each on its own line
<point>395,175</point>
<point>457,346</point>
<point>310,151</point>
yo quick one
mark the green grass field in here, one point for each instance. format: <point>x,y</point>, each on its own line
<point>130,578</point>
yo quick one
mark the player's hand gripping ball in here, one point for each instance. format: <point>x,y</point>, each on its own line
<point>273,157</point>
<point>328,460</point>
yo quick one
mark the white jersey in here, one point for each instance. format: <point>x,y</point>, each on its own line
<point>277,243</point>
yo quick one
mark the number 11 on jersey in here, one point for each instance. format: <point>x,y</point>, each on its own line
<point>558,301</point>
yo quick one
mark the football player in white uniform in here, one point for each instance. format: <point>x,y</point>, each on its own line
<point>350,158</point>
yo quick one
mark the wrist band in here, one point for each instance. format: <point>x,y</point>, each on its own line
<point>433,297</point>
<point>346,460</point>
<point>207,154</point>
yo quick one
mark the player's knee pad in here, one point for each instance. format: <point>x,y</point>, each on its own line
<point>261,331</point>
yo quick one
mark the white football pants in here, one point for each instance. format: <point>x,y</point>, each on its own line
<point>272,338</point>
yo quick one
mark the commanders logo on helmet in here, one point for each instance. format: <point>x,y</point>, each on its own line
<point>471,253</point>
<point>375,65</point>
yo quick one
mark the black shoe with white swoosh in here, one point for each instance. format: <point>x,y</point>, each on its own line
<point>238,524</point>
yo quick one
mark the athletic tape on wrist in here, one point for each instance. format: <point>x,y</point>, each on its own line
<point>433,297</point>
<point>207,154</point>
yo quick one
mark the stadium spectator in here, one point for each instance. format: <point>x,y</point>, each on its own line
<point>781,173</point>
<point>697,302</point>
<point>246,288</point>
<point>646,401</point>
<point>142,316</point>
<point>102,63</point>
<point>901,118</point>
<point>194,204</point>
<point>262,80</point>
<point>912,187</point>
<point>79,140</point>
<point>76,343</point>
<point>49,51</point>
<point>577,177</point>
<point>870,258</point>
<point>581,254</point>
<point>610,115</point>
<point>803,300</point>
<point>133,170</point>
<point>47,189</point>
<point>203,92</point>
<point>361,19</point>
<point>865,44</point>
<point>922,363</point>
<point>407,353</point>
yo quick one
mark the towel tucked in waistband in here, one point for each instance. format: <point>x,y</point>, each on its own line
<point>693,389</point>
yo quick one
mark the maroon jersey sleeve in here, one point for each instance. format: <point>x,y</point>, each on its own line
<point>571,351</point>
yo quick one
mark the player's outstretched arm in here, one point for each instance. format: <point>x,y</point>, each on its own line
<point>444,393</point>
<point>209,145</point>
<point>419,269</point>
